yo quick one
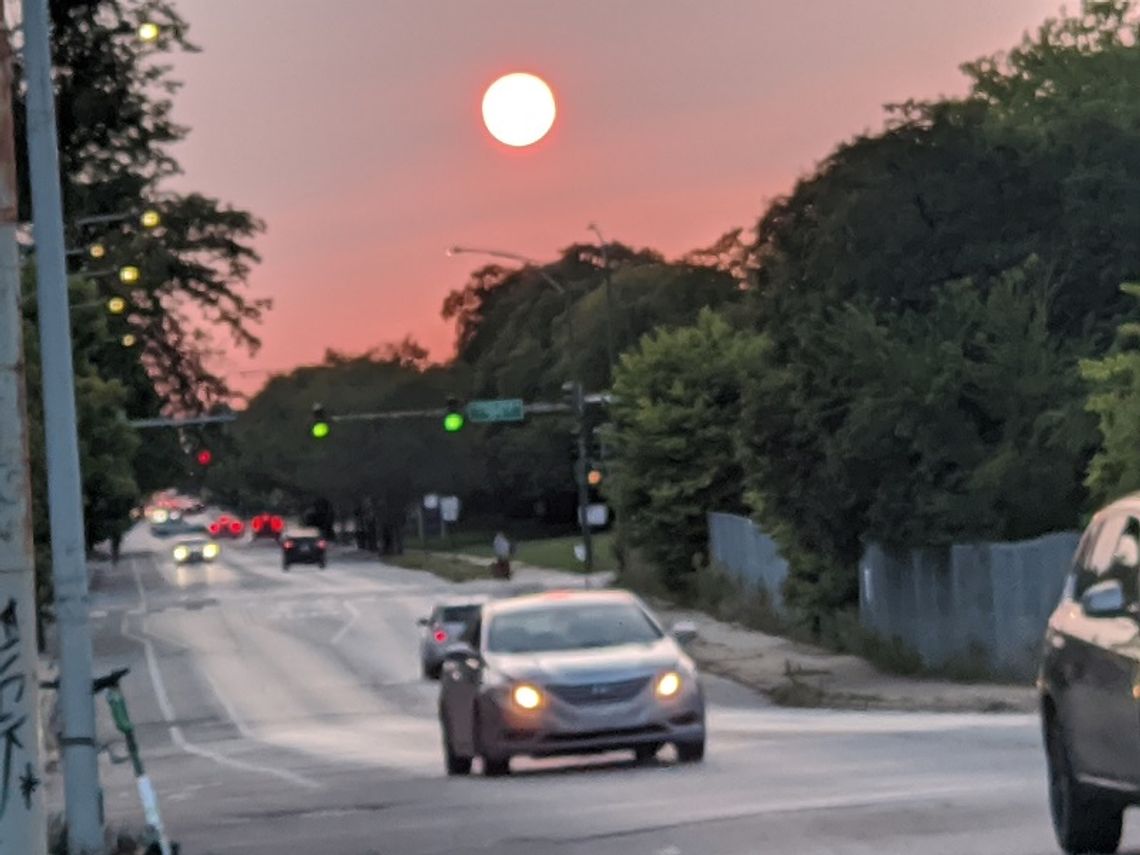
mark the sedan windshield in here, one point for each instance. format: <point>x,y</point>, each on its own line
<point>567,627</point>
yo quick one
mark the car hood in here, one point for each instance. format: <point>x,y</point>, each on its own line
<point>589,665</point>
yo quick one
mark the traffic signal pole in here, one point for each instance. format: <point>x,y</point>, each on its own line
<point>23,827</point>
<point>580,470</point>
<point>69,559</point>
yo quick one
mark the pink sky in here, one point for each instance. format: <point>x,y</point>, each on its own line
<point>353,128</point>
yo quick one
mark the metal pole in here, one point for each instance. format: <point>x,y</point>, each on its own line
<point>69,565</point>
<point>580,475</point>
<point>611,351</point>
<point>23,827</point>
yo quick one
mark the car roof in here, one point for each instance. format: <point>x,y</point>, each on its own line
<point>1129,504</point>
<point>303,532</point>
<point>456,602</point>
<point>561,598</point>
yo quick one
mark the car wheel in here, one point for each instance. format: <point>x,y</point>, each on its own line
<point>1083,820</point>
<point>496,767</point>
<point>691,752</point>
<point>321,564</point>
<point>285,566</point>
<point>645,753</point>
<point>454,764</point>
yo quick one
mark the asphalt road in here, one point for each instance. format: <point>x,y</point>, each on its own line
<point>284,713</point>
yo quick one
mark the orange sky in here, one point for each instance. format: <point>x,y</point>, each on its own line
<point>353,128</point>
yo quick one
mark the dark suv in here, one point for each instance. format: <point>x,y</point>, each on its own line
<point>302,546</point>
<point>1090,685</point>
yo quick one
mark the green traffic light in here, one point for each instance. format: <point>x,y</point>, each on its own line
<point>320,430</point>
<point>453,422</point>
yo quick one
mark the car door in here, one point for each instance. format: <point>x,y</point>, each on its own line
<point>460,680</point>
<point>1099,661</point>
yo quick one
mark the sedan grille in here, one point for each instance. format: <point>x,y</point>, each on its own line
<point>599,693</point>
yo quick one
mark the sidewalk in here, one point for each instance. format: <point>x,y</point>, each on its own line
<point>794,674</point>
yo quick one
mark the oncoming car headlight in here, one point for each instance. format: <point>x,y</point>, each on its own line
<point>181,553</point>
<point>526,696</point>
<point>210,550</point>
<point>668,684</point>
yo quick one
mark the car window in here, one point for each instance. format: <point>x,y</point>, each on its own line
<point>1113,554</point>
<point>458,614</point>
<point>552,628</point>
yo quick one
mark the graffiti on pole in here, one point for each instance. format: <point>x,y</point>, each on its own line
<point>13,687</point>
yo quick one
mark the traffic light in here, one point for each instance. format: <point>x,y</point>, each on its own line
<point>320,427</point>
<point>453,419</point>
<point>204,457</point>
<point>594,477</point>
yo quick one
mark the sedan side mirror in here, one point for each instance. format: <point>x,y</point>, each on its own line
<point>684,631</point>
<point>1104,599</point>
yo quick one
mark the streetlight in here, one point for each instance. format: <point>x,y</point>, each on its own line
<point>150,219</point>
<point>116,305</point>
<point>129,340</point>
<point>579,405</point>
<point>129,275</point>
<point>97,250</point>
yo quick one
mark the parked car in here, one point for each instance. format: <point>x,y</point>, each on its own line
<point>227,526</point>
<point>303,546</point>
<point>575,672</point>
<point>1089,694</point>
<point>444,627</point>
<point>267,526</point>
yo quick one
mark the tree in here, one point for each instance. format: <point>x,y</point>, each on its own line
<point>674,427</point>
<point>116,129</point>
<point>1114,398</point>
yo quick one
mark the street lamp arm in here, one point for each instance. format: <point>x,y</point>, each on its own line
<point>512,256</point>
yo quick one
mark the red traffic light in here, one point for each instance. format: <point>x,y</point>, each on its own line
<point>204,457</point>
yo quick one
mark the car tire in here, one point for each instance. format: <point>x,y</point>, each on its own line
<point>1083,819</point>
<point>285,566</point>
<point>496,767</point>
<point>431,672</point>
<point>452,762</point>
<point>321,564</point>
<point>691,752</point>
<point>646,753</point>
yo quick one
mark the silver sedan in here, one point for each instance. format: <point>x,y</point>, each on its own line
<point>568,673</point>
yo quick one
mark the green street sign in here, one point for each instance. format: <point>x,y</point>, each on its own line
<point>500,410</point>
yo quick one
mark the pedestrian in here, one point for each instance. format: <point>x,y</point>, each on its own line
<point>503,550</point>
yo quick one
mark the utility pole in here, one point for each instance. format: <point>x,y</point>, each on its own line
<point>23,827</point>
<point>69,560</point>
<point>579,404</point>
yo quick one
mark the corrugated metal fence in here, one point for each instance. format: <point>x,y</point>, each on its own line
<point>748,555</point>
<point>990,599</point>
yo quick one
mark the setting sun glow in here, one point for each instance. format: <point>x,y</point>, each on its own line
<point>518,109</point>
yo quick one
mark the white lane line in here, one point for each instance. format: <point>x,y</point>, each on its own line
<point>354,616</point>
<point>167,708</point>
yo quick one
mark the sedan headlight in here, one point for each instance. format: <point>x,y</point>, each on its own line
<point>527,696</point>
<point>210,550</point>
<point>668,684</point>
<point>181,553</point>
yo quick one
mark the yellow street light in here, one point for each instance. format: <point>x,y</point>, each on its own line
<point>97,250</point>
<point>149,31</point>
<point>129,275</point>
<point>116,305</point>
<point>129,340</point>
<point>150,219</point>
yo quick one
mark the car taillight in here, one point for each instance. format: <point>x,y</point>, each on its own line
<point>236,527</point>
<point>215,528</point>
<point>440,636</point>
<point>256,523</point>
<point>321,544</point>
<point>288,544</point>
<point>277,524</point>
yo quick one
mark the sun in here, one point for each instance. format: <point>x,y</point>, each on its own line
<point>518,109</point>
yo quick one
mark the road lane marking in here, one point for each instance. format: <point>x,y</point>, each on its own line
<point>167,708</point>
<point>354,616</point>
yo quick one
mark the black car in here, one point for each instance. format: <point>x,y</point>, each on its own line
<point>304,546</point>
<point>1089,685</point>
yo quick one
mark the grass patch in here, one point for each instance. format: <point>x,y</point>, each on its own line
<point>441,564</point>
<point>554,553</point>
